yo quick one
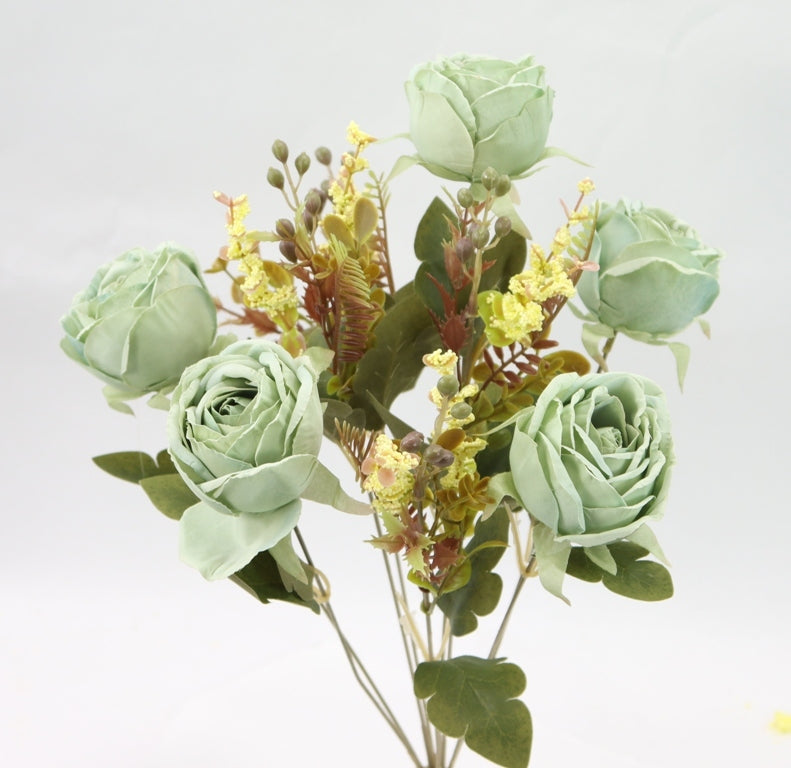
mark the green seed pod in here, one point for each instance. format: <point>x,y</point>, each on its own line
<point>489,178</point>
<point>503,186</point>
<point>438,456</point>
<point>502,226</point>
<point>275,178</point>
<point>461,411</point>
<point>302,163</point>
<point>280,150</point>
<point>448,385</point>
<point>323,155</point>
<point>479,236</point>
<point>465,197</point>
<point>313,202</point>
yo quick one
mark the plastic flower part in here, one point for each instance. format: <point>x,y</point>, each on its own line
<point>270,287</point>
<point>443,362</point>
<point>591,462</point>
<point>586,186</point>
<point>464,462</point>
<point>389,476</point>
<point>655,275</point>
<point>470,113</point>
<point>244,431</point>
<point>238,210</point>
<point>357,137</point>
<point>142,320</point>
<point>509,317</point>
<point>544,280</point>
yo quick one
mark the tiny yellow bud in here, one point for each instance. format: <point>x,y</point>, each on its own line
<point>586,186</point>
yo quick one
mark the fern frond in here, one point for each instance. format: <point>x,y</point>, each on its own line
<point>355,313</point>
<point>356,444</point>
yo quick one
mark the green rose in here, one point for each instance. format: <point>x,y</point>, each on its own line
<point>469,113</point>
<point>655,276</point>
<point>591,458</point>
<point>143,319</point>
<point>244,430</point>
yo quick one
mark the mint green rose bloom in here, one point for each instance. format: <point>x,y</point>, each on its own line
<point>591,459</point>
<point>142,320</point>
<point>244,431</point>
<point>655,275</point>
<point>469,113</point>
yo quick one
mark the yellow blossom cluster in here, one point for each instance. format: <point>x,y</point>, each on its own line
<point>342,191</point>
<point>238,210</point>
<point>464,463</point>
<point>388,475</point>
<point>586,186</point>
<point>545,279</point>
<point>444,363</point>
<point>357,137</point>
<point>269,287</point>
<point>509,317</point>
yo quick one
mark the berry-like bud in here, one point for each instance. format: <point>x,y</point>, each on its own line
<point>309,220</point>
<point>412,442</point>
<point>275,178</point>
<point>479,236</point>
<point>323,155</point>
<point>503,186</point>
<point>289,250</point>
<point>489,178</point>
<point>438,456</point>
<point>465,197</point>
<point>461,411</point>
<point>280,150</point>
<point>502,226</point>
<point>284,229</point>
<point>313,201</point>
<point>448,385</point>
<point>302,163</point>
<point>465,249</point>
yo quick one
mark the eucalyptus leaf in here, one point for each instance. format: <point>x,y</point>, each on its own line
<point>131,466</point>
<point>580,567</point>
<point>475,699</point>
<point>169,494</point>
<point>641,580</point>
<point>480,595</point>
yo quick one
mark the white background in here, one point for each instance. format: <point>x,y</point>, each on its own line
<point>119,119</point>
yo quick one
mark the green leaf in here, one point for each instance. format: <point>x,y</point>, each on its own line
<point>509,256</point>
<point>432,231</point>
<point>169,494</point>
<point>393,364</point>
<point>475,699</point>
<point>641,580</point>
<point>131,466</point>
<point>397,427</point>
<point>580,567</point>
<point>261,578</point>
<point>480,595</point>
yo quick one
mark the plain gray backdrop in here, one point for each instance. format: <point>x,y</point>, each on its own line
<point>119,120</point>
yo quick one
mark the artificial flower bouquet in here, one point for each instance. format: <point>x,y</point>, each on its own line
<point>525,449</point>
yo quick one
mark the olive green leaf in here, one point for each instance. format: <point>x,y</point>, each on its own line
<point>480,595</point>
<point>475,699</point>
<point>133,466</point>
<point>169,494</point>
<point>393,364</point>
<point>262,578</point>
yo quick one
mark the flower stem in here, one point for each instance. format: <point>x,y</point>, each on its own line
<point>361,674</point>
<point>606,351</point>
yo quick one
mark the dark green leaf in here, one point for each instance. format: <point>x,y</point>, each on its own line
<point>509,256</point>
<point>335,409</point>
<point>626,552</point>
<point>480,595</point>
<point>393,364</point>
<point>397,427</point>
<point>640,580</point>
<point>261,578</point>
<point>581,568</point>
<point>432,231</point>
<point>169,494</point>
<point>475,699</point>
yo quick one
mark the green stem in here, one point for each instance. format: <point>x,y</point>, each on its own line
<point>606,351</point>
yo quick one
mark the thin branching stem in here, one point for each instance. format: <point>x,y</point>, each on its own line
<point>606,351</point>
<point>359,670</point>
